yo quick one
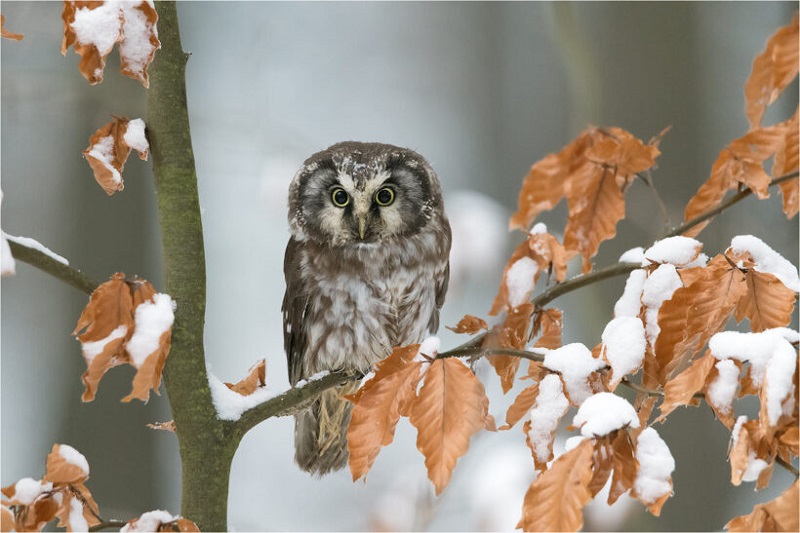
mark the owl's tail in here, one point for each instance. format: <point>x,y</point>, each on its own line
<point>320,433</point>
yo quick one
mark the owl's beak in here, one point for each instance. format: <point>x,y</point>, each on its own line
<point>362,226</point>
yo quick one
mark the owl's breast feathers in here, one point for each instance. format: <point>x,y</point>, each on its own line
<point>347,307</point>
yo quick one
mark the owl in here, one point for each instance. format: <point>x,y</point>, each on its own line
<point>367,268</point>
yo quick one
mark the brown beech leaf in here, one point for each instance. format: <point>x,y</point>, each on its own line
<point>19,515</point>
<point>739,164</point>
<point>681,389</point>
<point>786,161</point>
<point>513,333</point>
<point>77,500</point>
<point>780,514</point>
<point>602,464</point>
<point>773,70</point>
<point>93,28</point>
<point>548,324</point>
<point>163,426</point>
<point>8,35</point>
<point>450,408</point>
<point>379,403</point>
<point>695,312</point>
<point>469,325</point>
<point>109,149</point>
<point>624,464</point>
<point>555,500</point>
<point>256,378</point>
<point>65,465</point>
<point>521,406</point>
<point>768,303</point>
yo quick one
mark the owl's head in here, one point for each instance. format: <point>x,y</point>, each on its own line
<point>366,193</point>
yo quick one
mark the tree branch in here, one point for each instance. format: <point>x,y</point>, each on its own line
<point>47,264</point>
<point>788,466</point>
<point>108,524</point>
<point>738,197</point>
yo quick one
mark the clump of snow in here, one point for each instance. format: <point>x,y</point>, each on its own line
<point>74,457</point>
<point>152,320</point>
<point>772,361</point>
<point>429,347</point>
<point>92,349</point>
<point>135,47</point>
<point>149,521</point>
<point>722,391</point>
<point>575,363</point>
<point>538,229</point>
<point>701,261</point>
<point>603,413</point>
<point>134,133</point>
<point>754,467</point>
<point>678,251</point>
<point>36,245</point>
<point>767,260</point>
<point>634,255</point>
<point>321,374</point>
<point>630,303</point>
<point>623,345</point>
<point>27,489</point>
<point>77,522</point>
<point>103,151</point>
<point>659,287</point>
<point>656,464</point>
<point>519,280</point>
<point>99,27</point>
<point>550,406</point>
<point>231,405</point>
<point>737,427</point>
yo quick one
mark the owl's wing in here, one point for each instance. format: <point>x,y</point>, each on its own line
<point>295,305</point>
<point>442,281</point>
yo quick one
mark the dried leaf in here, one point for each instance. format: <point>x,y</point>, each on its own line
<point>164,426</point>
<point>8,35</point>
<point>773,70</point>
<point>64,467</point>
<point>469,325</point>
<point>768,303</point>
<point>780,514</point>
<point>450,408</point>
<point>548,324</point>
<point>624,464</point>
<point>602,464</point>
<point>255,379</point>
<point>513,333</point>
<point>555,500</point>
<point>786,161</point>
<point>160,521</point>
<point>681,389</point>
<point>109,149</point>
<point>379,405</point>
<point>93,28</point>
<point>521,406</point>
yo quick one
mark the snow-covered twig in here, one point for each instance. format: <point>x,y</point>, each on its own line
<point>49,264</point>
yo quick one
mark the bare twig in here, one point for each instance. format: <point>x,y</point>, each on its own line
<point>108,524</point>
<point>45,263</point>
<point>788,466</point>
<point>647,178</point>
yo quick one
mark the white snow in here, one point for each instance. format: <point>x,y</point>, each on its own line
<point>702,260</point>
<point>603,413</point>
<point>429,347</point>
<point>229,404</point>
<point>656,464</point>
<point>772,361</point>
<point>550,406</point>
<point>767,260</point>
<point>722,391</point>
<point>737,427</point>
<point>103,151</point>
<point>575,363</point>
<point>321,374</point>
<point>630,303</point>
<point>134,134</point>
<point>99,27</point>
<point>36,245</point>
<point>149,521</point>
<point>573,442</point>
<point>27,489</point>
<point>658,288</point>
<point>8,267</point>
<point>538,229</point>
<point>634,255</point>
<point>152,320</point>
<point>73,457</point>
<point>77,522</point>
<point>623,345</point>
<point>519,280</point>
<point>135,47</point>
<point>678,251</point>
<point>754,467</point>
<point>92,349</point>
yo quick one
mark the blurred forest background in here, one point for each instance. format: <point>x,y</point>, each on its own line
<point>482,90</point>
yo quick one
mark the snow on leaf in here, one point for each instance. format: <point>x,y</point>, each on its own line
<point>109,149</point>
<point>451,406</point>
<point>755,253</point>
<point>379,403</point>
<point>548,324</point>
<point>149,345</point>
<point>653,485</point>
<point>786,161</point>
<point>780,514</point>
<point>255,379</point>
<point>681,389</point>
<point>624,464</point>
<point>679,251</point>
<point>550,406</point>
<point>624,345</point>
<point>469,325</point>
<point>722,385</point>
<point>604,413</point>
<point>8,35</point>
<point>555,500</point>
<point>751,453</point>
<point>156,521</point>
<point>93,28</point>
<point>630,303</point>
<point>513,333</point>
<point>773,70</point>
<point>739,164</point>
<point>65,464</point>
<point>767,303</point>
<point>576,364</point>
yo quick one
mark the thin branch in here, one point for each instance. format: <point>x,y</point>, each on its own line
<point>108,524</point>
<point>738,197</point>
<point>47,264</point>
<point>292,400</point>
<point>647,178</point>
<point>788,466</point>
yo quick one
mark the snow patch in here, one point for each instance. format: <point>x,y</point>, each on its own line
<point>33,244</point>
<point>659,287</point>
<point>656,464</point>
<point>634,255</point>
<point>74,457</point>
<point>134,133</point>
<point>77,522</point>
<point>722,391</point>
<point>27,489</point>
<point>678,251</point>
<point>538,229</point>
<point>92,349</point>
<point>519,280</point>
<point>153,319</point>
<point>767,260</point>
<point>624,345</point>
<point>603,413</point>
<point>550,406</point>
<point>575,363</point>
<point>630,303</point>
<point>231,405</point>
<point>99,27</point>
<point>149,521</point>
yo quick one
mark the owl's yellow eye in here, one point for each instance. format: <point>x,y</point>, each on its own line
<point>339,197</point>
<point>384,197</point>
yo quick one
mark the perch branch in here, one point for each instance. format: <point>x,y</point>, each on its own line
<point>108,524</point>
<point>58,270</point>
